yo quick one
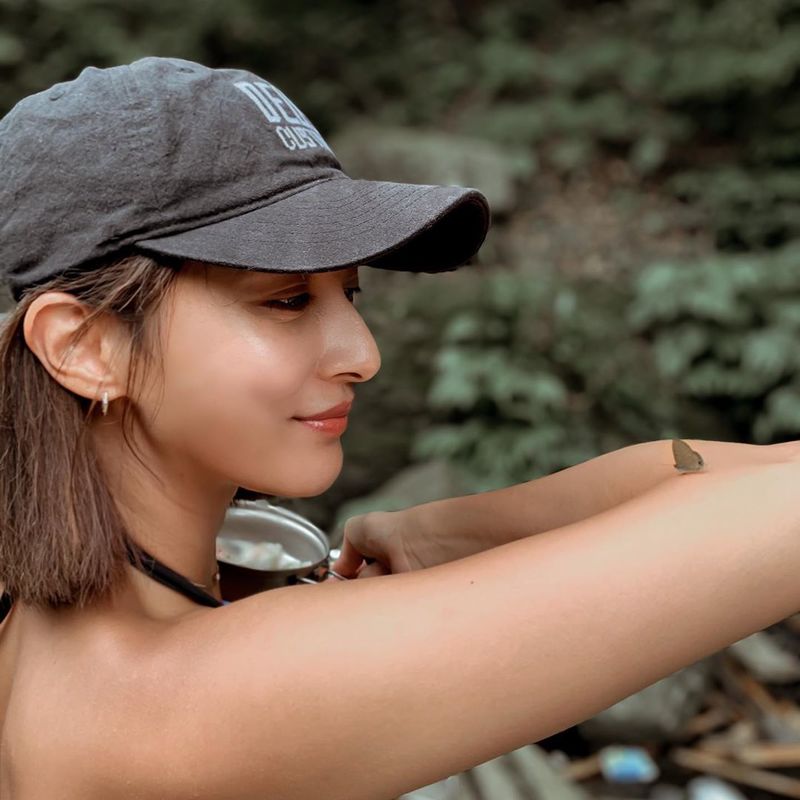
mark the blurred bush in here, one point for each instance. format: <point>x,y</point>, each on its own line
<point>725,332</point>
<point>537,372</point>
<point>701,91</point>
<point>531,364</point>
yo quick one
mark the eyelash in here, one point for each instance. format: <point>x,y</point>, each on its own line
<point>300,301</point>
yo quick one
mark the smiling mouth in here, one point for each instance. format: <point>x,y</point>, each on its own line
<point>336,412</point>
<point>332,425</point>
<point>333,421</point>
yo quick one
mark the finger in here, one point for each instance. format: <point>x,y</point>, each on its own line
<point>367,561</point>
<point>349,560</point>
<point>355,533</point>
<point>373,570</point>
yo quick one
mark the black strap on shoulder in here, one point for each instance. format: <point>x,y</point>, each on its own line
<point>6,601</point>
<point>153,568</point>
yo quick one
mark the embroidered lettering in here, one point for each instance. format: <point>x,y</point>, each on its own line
<point>284,105</point>
<point>264,106</point>
<point>299,133</point>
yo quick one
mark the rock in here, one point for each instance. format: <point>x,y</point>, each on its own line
<point>765,659</point>
<point>410,155</point>
<point>657,712</point>
<point>782,725</point>
<point>519,775</point>
<point>441,790</point>
<point>707,788</point>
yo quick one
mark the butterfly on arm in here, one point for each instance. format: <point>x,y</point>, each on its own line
<point>686,459</point>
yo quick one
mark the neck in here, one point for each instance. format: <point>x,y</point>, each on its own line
<point>171,511</point>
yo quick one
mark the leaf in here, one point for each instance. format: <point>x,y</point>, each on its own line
<point>770,351</point>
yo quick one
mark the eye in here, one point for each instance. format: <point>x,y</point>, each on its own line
<point>300,301</point>
<point>294,303</point>
<point>352,292</point>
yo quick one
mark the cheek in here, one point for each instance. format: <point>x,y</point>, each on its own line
<point>230,387</point>
<point>233,384</point>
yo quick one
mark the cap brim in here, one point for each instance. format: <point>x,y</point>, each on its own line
<point>343,222</point>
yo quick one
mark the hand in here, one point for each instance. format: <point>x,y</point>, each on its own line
<point>376,544</point>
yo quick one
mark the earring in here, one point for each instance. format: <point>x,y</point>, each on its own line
<point>104,407</point>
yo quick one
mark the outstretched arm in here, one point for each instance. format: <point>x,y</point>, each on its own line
<point>366,689</point>
<point>444,530</point>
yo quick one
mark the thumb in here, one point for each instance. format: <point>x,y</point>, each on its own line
<point>349,560</point>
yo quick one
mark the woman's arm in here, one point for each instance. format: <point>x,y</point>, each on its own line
<point>444,530</point>
<point>367,689</point>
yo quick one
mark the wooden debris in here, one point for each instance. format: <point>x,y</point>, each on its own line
<point>583,768</point>
<point>769,754</point>
<point>746,731</point>
<point>745,686</point>
<point>728,742</point>
<point>720,712</point>
<point>738,773</point>
<point>778,719</point>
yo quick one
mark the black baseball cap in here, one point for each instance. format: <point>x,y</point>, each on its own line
<point>167,156</point>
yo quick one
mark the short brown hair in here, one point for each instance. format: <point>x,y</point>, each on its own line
<point>62,539</point>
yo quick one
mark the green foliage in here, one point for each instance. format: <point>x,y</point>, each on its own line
<point>750,207</point>
<point>726,331</point>
<point>525,371</point>
<point>536,373</point>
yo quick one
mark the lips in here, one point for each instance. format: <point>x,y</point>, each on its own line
<point>342,410</point>
<point>332,422</point>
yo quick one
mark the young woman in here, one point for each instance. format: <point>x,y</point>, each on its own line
<point>184,251</point>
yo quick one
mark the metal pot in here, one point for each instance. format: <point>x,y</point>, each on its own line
<point>259,521</point>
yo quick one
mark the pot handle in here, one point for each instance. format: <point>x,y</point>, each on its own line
<point>324,571</point>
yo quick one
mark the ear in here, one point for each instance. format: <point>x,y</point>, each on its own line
<point>97,363</point>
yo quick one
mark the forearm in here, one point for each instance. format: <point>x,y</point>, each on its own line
<point>461,526</point>
<point>626,597</point>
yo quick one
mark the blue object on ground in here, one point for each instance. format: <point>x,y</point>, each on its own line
<point>620,764</point>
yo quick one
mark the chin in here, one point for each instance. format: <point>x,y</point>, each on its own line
<point>305,483</point>
<point>308,490</point>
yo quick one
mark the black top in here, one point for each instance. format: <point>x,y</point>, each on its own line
<point>153,568</point>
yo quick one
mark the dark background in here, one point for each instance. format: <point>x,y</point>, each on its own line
<point>642,278</point>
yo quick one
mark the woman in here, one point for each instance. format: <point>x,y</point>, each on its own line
<point>183,248</point>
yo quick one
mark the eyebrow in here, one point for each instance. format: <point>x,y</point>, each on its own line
<point>258,279</point>
<point>252,277</point>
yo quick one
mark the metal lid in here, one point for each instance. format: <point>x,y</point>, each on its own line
<point>260,521</point>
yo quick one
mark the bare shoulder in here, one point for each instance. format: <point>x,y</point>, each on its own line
<point>276,694</point>
<point>142,708</point>
<point>247,694</point>
<point>91,696</point>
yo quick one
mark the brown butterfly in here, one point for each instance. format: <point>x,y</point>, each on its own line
<point>686,459</point>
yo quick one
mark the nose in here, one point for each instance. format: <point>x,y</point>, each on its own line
<point>351,354</point>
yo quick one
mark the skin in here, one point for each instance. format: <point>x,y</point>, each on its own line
<point>270,362</point>
<point>368,688</point>
<point>244,353</point>
<point>444,530</point>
